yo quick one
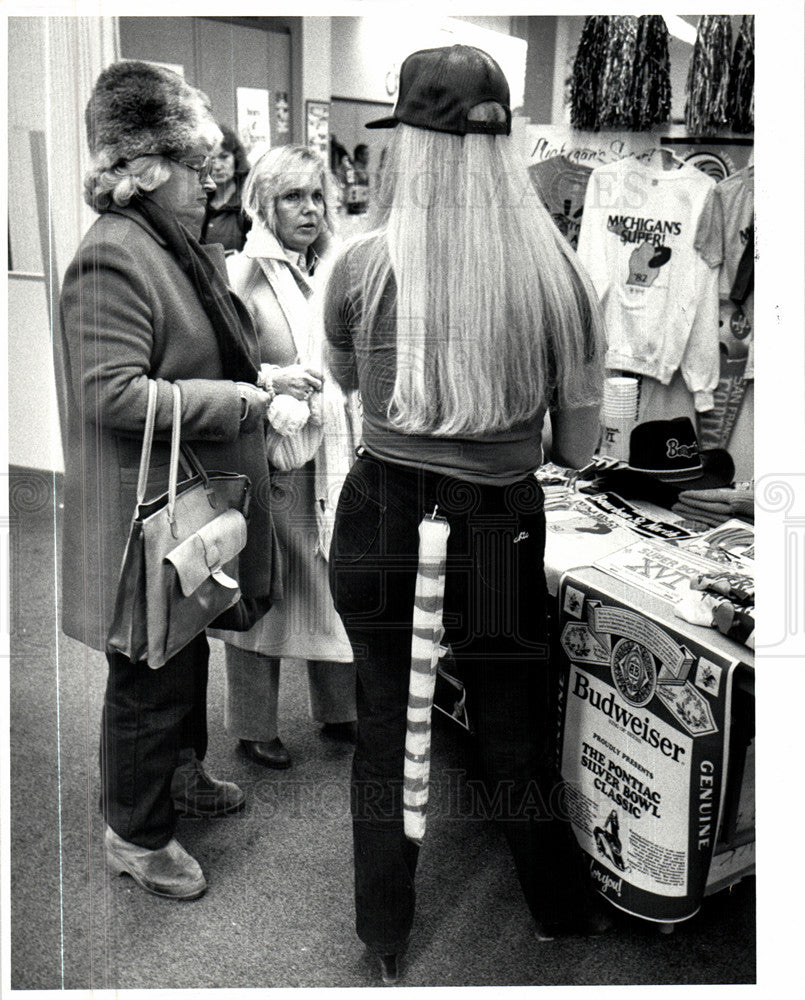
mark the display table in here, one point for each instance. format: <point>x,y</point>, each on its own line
<point>656,720</point>
<point>657,723</point>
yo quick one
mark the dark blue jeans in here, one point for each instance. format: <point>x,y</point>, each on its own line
<point>495,619</point>
<point>148,717</point>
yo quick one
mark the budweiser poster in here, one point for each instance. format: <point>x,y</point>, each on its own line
<point>645,720</point>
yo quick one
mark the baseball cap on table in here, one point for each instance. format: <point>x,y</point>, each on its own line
<point>439,87</point>
<point>669,450</point>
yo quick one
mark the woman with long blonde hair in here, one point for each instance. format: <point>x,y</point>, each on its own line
<point>462,318</point>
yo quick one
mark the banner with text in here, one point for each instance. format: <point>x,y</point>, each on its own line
<point>644,735</point>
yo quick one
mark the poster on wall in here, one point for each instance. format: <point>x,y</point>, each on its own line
<point>644,736</point>
<point>590,149</point>
<point>253,119</point>
<point>718,158</point>
<point>282,115</point>
<point>317,119</point>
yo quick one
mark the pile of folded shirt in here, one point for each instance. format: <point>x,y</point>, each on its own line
<point>709,508</point>
<point>725,601</point>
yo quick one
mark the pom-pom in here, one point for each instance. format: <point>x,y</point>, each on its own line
<point>651,82</point>
<point>615,98</point>
<point>586,78</point>
<point>741,105</point>
<point>709,76</point>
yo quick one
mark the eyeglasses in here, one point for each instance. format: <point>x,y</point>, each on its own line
<point>199,164</point>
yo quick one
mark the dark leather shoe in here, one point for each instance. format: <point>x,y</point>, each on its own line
<point>388,969</point>
<point>168,871</point>
<point>346,732</point>
<point>272,754</point>
<point>195,793</point>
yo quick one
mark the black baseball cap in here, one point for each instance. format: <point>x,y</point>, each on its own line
<point>669,450</point>
<point>439,87</point>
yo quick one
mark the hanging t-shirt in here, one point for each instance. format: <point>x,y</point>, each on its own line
<point>562,184</point>
<point>659,296</point>
<point>726,229</point>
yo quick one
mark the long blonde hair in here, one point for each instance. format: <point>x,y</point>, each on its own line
<point>494,315</point>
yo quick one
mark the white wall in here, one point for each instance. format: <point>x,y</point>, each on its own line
<point>367,51</point>
<point>25,104</point>
<point>53,62</point>
<point>34,438</point>
<point>316,59</point>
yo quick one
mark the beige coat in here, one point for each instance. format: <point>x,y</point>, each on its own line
<point>304,624</point>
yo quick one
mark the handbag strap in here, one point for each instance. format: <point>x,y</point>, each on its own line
<point>173,469</point>
<point>191,466</point>
<point>179,452</point>
<point>148,440</point>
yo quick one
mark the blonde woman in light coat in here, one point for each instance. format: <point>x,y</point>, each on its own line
<point>286,196</point>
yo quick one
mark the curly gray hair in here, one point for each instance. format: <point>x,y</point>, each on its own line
<point>119,184</point>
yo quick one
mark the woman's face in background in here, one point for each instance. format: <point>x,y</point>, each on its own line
<point>300,209</point>
<point>223,166</point>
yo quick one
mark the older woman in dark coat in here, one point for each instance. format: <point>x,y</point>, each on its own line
<point>142,300</point>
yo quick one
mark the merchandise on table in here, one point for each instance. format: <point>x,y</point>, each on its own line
<point>732,542</point>
<point>714,507</point>
<point>618,416</point>
<point>699,588</point>
<point>662,569</point>
<point>578,531</point>
<point>669,451</point>
<point>630,517</point>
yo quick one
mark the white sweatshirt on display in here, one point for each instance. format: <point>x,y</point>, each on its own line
<point>660,297</point>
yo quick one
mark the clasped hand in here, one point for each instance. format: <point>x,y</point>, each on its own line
<point>297,380</point>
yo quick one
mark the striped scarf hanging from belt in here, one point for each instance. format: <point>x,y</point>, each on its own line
<point>426,649</point>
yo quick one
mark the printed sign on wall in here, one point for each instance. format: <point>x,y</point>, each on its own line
<point>645,731</point>
<point>718,158</point>
<point>254,122</point>
<point>318,127</point>
<point>282,113</point>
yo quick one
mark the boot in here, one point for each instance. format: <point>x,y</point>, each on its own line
<point>168,871</point>
<point>195,793</point>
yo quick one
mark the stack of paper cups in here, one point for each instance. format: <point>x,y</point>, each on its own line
<point>618,416</point>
